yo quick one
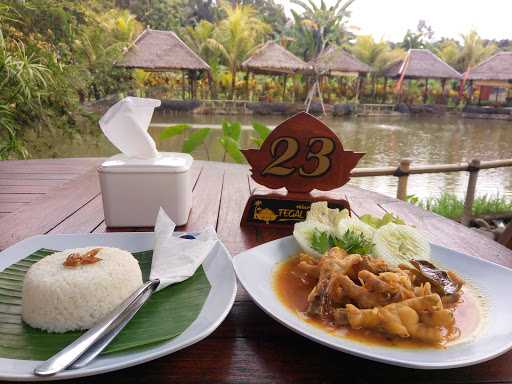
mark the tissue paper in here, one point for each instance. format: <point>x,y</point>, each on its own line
<point>126,125</point>
<point>176,259</point>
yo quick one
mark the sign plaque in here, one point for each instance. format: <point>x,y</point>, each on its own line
<point>301,154</point>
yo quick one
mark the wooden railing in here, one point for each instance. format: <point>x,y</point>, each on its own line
<point>373,108</point>
<point>405,168</point>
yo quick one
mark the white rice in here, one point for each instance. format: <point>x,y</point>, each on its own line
<point>57,298</point>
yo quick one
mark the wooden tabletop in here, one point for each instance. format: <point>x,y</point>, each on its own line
<point>63,196</point>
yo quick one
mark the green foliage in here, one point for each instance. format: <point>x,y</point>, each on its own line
<point>195,140</point>
<point>377,222</point>
<point>173,130</point>
<point>232,130</point>
<point>230,140</point>
<point>54,56</point>
<point>232,148</point>
<point>319,26</point>
<point>484,205</point>
<point>452,207</point>
<point>236,36</point>
<point>351,241</point>
<point>262,131</point>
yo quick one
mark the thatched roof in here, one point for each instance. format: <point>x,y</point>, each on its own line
<point>161,51</point>
<point>422,64</point>
<point>497,67</point>
<point>338,60</point>
<point>273,58</point>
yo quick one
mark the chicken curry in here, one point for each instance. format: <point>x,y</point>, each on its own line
<point>363,298</point>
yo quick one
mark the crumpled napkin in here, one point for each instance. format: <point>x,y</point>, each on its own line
<point>176,259</point>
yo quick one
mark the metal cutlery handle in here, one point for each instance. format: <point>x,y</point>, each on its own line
<point>73,351</point>
<point>91,353</point>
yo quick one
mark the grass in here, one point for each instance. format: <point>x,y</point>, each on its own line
<point>452,207</point>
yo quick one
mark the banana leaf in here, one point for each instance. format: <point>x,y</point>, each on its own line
<point>164,316</point>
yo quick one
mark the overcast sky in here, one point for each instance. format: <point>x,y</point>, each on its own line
<point>390,19</point>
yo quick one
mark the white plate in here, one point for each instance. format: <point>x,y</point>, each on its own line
<point>255,268</point>
<point>218,269</point>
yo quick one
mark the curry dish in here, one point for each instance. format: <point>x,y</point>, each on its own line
<point>363,298</point>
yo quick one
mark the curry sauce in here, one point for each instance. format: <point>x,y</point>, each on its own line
<point>293,286</point>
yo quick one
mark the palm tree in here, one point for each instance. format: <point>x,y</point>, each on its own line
<point>474,50</point>
<point>197,38</point>
<point>320,26</point>
<point>236,36</point>
<point>377,55</point>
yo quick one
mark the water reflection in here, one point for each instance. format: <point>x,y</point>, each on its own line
<point>385,140</point>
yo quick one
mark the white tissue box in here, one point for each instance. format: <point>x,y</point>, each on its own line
<point>134,189</point>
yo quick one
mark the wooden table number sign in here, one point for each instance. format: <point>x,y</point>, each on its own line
<point>300,154</point>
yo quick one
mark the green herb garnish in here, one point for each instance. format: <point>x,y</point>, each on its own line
<point>351,241</point>
<point>376,222</point>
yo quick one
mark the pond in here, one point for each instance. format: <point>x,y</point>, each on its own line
<point>386,140</point>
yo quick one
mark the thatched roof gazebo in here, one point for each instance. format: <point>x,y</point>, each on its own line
<point>421,64</point>
<point>336,61</point>
<point>494,72</point>
<point>497,68</point>
<point>274,59</point>
<point>163,51</point>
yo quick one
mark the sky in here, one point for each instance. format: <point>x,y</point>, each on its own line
<point>390,19</point>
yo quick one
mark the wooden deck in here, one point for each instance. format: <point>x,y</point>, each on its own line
<point>63,196</point>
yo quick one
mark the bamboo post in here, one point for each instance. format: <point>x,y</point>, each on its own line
<point>443,92</point>
<point>247,85</point>
<point>384,96</point>
<point>425,94</point>
<point>473,168</point>
<point>183,85</point>
<point>285,80</point>
<point>402,173</point>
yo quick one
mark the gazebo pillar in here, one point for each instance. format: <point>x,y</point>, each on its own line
<point>285,78</point>
<point>384,96</point>
<point>183,85</point>
<point>443,88</point>
<point>247,75</point>
<point>425,93</point>
<point>359,86</point>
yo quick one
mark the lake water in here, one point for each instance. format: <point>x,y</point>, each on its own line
<point>386,140</point>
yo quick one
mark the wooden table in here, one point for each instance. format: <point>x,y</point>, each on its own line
<point>63,196</point>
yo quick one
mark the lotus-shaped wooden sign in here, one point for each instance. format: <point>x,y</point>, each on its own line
<point>302,154</point>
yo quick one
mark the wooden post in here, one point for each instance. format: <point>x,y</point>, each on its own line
<point>443,87</point>
<point>470,91</point>
<point>425,94</point>
<point>384,96</point>
<point>403,175</point>
<point>247,85</point>
<point>474,168</point>
<point>284,85</point>
<point>358,88</point>
<point>183,85</point>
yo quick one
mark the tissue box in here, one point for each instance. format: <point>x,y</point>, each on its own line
<point>134,189</point>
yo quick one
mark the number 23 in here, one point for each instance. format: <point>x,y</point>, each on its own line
<point>277,168</point>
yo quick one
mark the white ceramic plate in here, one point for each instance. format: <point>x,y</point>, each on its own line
<point>255,268</point>
<point>218,269</point>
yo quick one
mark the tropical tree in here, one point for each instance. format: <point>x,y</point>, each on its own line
<point>377,54</point>
<point>24,81</point>
<point>197,38</point>
<point>237,36</point>
<point>317,27</point>
<point>474,50</point>
<point>419,39</point>
<point>449,50</point>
